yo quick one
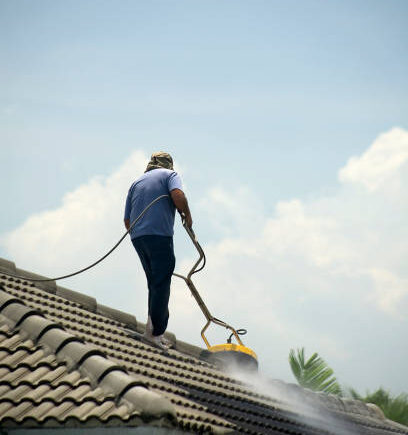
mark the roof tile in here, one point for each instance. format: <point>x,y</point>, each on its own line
<point>6,299</point>
<point>75,353</point>
<point>86,301</point>
<point>55,339</point>
<point>15,313</point>
<point>91,372</point>
<point>35,326</point>
<point>97,368</point>
<point>36,384</point>
<point>117,315</point>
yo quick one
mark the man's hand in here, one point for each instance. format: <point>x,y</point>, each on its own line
<point>180,201</point>
<point>187,220</point>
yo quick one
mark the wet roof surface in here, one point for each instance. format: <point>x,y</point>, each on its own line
<point>65,360</point>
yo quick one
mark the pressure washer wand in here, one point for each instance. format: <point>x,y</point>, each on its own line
<point>195,293</point>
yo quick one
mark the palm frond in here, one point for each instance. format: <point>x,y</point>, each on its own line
<point>314,373</point>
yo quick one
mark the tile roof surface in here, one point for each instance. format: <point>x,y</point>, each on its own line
<point>65,361</point>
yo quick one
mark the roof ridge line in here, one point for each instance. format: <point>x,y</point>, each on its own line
<point>90,304</point>
<point>87,302</point>
<point>88,360</point>
<point>331,402</point>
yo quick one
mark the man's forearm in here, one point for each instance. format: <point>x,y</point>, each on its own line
<point>180,201</point>
<point>183,207</point>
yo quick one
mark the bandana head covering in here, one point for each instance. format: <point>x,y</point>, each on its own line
<point>160,160</point>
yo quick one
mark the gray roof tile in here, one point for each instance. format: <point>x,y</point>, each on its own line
<point>90,372</point>
<point>55,339</point>
<point>75,354</point>
<point>15,313</point>
<point>97,368</point>
<point>35,326</point>
<point>48,286</point>
<point>117,315</point>
<point>85,301</point>
<point>36,384</point>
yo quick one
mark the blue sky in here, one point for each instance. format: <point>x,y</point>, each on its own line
<point>262,104</point>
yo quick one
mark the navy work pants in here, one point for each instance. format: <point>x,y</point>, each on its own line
<point>157,256</point>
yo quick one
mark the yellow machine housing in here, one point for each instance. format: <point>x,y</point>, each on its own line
<point>235,354</point>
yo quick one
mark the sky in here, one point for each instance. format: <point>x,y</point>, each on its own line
<point>288,122</point>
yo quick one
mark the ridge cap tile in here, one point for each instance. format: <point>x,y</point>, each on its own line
<point>87,302</point>
<point>75,353</point>
<point>7,265</point>
<point>118,382</point>
<point>376,411</point>
<point>48,286</point>
<point>355,406</point>
<point>189,349</point>
<point>136,396</point>
<point>6,299</point>
<point>149,402</point>
<point>36,326</point>
<point>395,425</point>
<point>16,312</point>
<point>55,339</point>
<point>118,315</point>
<point>96,367</point>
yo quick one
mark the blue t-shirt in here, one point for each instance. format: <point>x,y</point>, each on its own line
<point>159,219</point>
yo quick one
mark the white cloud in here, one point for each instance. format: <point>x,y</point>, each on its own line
<point>328,274</point>
<point>315,236</point>
<point>381,163</point>
<point>390,291</point>
<point>225,211</point>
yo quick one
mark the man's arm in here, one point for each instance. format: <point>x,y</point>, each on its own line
<point>127,223</point>
<point>128,206</point>
<point>180,201</point>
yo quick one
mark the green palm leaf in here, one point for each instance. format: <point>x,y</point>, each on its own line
<point>314,373</point>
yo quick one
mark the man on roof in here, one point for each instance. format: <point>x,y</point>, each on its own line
<point>152,235</point>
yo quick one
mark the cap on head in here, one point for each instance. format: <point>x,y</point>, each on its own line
<point>160,160</point>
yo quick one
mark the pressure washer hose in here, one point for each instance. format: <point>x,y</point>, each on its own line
<point>98,261</point>
<point>238,331</point>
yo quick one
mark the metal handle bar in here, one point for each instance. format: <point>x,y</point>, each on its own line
<point>197,297</point>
